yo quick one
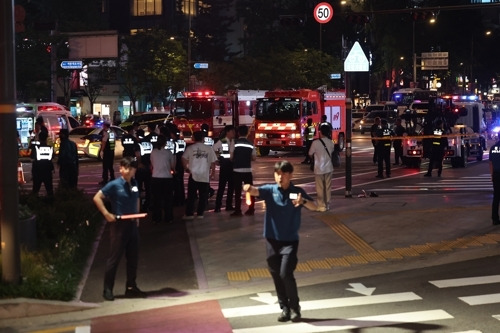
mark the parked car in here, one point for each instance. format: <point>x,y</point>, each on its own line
<point>77,135</point>
<point>357,115</point>
<point>144,118</point>
<point>367,122</point>
<point>93,140</point>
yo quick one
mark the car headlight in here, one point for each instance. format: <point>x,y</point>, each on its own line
<point>261,135</point>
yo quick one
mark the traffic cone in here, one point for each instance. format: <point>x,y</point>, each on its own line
<point>20,174</point>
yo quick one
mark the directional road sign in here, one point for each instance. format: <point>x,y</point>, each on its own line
<point>356,60</point>
<point>72,64</point>
<point>200,65</point>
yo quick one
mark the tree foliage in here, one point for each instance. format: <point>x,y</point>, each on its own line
<point>151,65</point>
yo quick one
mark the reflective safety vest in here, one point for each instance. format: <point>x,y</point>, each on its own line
<point>110,145</point>
<point>225,149</point>
<point>386,132</point>
<point>437,140</point>
<point>146,148</point>
<point>207,141</point>
<point>311,130</point>
<point>44,153</point>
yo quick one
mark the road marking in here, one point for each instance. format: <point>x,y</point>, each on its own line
<point>360,289</point>
<point>470,281</point>
<point>257,310</point>
<point>267,298</point>
<point>352,323</point>
<point>481,299</point>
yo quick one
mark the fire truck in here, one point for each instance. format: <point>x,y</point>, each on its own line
<point>244,102</point>
<point>281,118</point>
<point>198,108</point>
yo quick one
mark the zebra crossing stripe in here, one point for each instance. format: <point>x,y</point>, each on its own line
<point>352,323</point>
<point>481,299</point>
<point>257,310</point>
<point>462,282</point>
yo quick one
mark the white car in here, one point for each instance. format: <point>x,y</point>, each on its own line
<point>92,142</point>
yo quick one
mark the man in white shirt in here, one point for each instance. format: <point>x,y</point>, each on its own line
<point>321,151</point>
<point>199,161</point>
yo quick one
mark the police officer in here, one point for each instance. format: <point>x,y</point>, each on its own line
<point>144,173</point>
<point>223,149</point>
<point>384,149</point>
<point>130,144</point>
<point>107,153</point>
<point>324,121</point>
<point>495,178</point>
<point>437,147</point>
<point>42,167</point>
<point>309,133</point>
<point>177,147</point>
<point>373,133</point>
<point>399,130</point>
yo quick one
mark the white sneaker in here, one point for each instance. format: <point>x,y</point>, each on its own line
<point>188,217</point>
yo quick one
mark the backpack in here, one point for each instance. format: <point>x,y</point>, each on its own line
<point>334,156</point>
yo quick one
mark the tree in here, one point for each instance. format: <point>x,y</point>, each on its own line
<point>152,64</point>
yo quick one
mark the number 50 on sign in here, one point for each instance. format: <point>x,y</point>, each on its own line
<point>323,12</point>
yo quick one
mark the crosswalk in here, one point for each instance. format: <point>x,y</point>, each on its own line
<point>366,306</point>
<point>480,183</point>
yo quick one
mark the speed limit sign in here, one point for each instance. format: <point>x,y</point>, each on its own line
<point>323,12</point>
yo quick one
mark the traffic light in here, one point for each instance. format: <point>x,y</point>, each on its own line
<point>358,19</point>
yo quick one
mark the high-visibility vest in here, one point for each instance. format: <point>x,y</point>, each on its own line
<point>44,153</point>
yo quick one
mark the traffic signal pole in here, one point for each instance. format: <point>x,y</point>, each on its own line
<point>9,214</point>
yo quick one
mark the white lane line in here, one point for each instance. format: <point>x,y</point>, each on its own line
<point>481,299</point>
<point>322,304</point>
<point>470,281</point>
<point>352,323</point>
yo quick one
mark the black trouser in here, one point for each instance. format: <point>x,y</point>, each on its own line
<point>496,196</point>
<point>306,151</point>
<point>68,175</point>
<point>124,237</point>
<point>143,177</point>
<point>163,193</point>
<point>239,179</point>
<point>108,157</point>
<point>225,177</point>
<point>436,160</point>
<point>375,152</point>
<point>195,189</point>
<point>42,173</point>
<point>384,156</point>
<point>398,151</point>
<point>282,261</point>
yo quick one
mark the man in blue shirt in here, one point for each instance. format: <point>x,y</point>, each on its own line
<point>283,202</point>
<point>123,195</point>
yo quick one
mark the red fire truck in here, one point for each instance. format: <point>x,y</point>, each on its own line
<point>244,102</point>
<point>197,108</point>
<point>281,117</point>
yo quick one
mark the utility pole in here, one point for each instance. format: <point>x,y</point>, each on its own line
<point>9,215</point>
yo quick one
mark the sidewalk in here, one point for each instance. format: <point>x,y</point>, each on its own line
<point>186,268</point>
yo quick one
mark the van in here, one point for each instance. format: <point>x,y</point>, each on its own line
<point>54,121</point>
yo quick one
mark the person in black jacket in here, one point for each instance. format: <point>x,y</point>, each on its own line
<point>242,157</point>
<point>439,143</point>
<point>67,161</point>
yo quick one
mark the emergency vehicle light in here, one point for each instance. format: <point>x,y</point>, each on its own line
<point>198,93</point>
